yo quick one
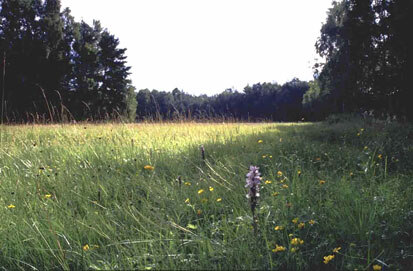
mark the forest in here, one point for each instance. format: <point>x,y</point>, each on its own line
<point>55,69</point>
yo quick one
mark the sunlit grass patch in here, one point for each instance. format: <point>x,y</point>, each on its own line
<point>143,196</point>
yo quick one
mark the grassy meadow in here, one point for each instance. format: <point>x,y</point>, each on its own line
<point>140,196</point>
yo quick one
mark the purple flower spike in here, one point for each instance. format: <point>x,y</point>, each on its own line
<point>253,181</point>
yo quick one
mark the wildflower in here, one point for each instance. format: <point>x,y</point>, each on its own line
<point>293,249</point>
<point>295,220</point>
<point>301,225</point>
<point>362,130</point>
<point>211,188</point>
<point>328,258</point>
<point>86,247</point>
<point>285,186</point>
<point>380,156</point>
<point>282,181</point>
<point>199,212</point>
<point>278,248</point>
<point>290,235</point>
<point>187,200</point>
<point>376,267</point>
<point>270,156</point>
<point>148,167</point>
<point>299,173</point>
<point>252,181</point>
<point>267,182</point>
<point>188,183</point>
<point>11,206</point>
<point>279,173</point>
<point>275,194</point>
<point>358,134</point>
<point>264,156</point>
<point>260,141</point>
<point>351,174</point>
<point>321,182</point>
<point>219,199</point>
<point>281,140</point>
<point>366,148</point>
<point>311,222</point>
<point>47,196</point>
<point>279,228</point>
<point>336,250</point>
<point>296,241</point>
<point>200,191</point>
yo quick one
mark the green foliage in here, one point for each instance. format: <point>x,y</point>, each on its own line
<point>58,69</point>
<point>141,197</point>
<point>266,101</point>
<point>365,47</point>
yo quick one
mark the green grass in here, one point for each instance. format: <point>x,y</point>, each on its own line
<point>135,218</point>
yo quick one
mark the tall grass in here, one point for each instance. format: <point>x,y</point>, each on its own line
<point>117,196</point>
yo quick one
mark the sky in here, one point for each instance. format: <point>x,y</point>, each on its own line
<point>207,46</point>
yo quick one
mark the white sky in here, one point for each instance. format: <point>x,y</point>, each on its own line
<point>204,47</point>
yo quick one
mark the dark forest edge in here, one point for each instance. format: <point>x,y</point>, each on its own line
<point>55,69</point>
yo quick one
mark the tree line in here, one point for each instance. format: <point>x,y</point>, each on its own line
<point>365,45</point>
<point>261,101</point>
<point>57,69</point>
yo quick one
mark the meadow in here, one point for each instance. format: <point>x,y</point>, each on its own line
<point>141,196</point>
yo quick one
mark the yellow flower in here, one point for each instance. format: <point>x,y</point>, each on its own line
<point>275,194</point>
<point>47,196</point>
<point>351,174</point>
<point>295,220</point>
<point>187,183</point>
<point>264,156</point>
<point>296,241</point>
<point>311,222</point>
<point>200,191</point>
<point>219,199</point>
<point>366,148</point>
<point>293,249</point>
<point>301,225</point>
<point>299,172</point>
<point>281,140</point>
<point>336,250</point>
<point>321,182</point>
<point>380,156</point>
<point>290,235</point>
<point>211,188</point>
<point>278,248</point>
<point>199,212</point>
<point>362,130</point>
<point>285,186</point>
<point>279,228</point>
<point>260,141</point>
<point>270,156</point>
<point>148,167</point>
<point>187,200</point>
<point>328,258</point>
<point>376,267</point>
<point>358,134</point>
<point>86,247</point>
<point>11,206</point>
<point>267,182</point>
<point>279,173</point>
